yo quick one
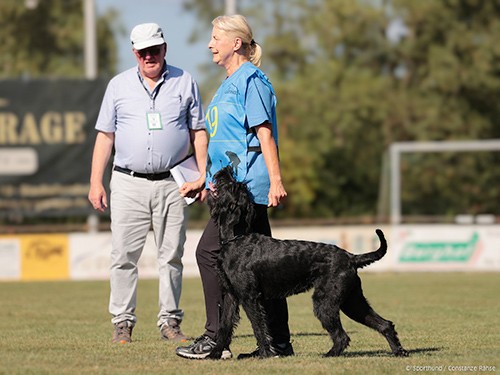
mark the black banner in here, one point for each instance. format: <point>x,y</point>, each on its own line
<point>47,139</point>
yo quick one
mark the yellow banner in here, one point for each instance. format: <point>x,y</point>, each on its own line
<point>44,257</point>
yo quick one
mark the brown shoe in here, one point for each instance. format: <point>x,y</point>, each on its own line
<point>171,331</point>
<point>122,334</point>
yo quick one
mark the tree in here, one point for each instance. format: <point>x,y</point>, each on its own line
<point>46,39</point>
<point>449,91</point>
<point>347,90</point>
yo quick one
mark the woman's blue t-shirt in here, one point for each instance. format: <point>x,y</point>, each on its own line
<point>244,100</point>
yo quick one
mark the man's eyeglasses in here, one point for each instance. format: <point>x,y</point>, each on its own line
<point>153,51</point>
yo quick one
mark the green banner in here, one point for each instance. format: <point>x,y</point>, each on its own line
<point>439,252</point>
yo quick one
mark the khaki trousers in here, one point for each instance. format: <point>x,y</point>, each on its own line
<point>136,204</point>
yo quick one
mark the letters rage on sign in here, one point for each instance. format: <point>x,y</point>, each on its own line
<point>46,143</point>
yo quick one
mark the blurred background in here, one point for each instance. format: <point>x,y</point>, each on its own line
<point>359,84</point>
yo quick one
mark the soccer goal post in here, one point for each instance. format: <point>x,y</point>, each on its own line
<point>397,148</point>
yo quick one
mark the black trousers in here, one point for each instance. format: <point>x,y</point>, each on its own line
<point>206,256</point>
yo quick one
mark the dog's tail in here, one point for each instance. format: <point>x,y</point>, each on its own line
<point>363,260</point>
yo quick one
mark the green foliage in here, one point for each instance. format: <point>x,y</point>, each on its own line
<point>451,87</point>
<point>329,105</point>
<point>47,40</point>
<point>347,89</point>
<point>356,92</point>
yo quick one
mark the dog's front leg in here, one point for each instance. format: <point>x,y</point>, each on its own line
<point>258,318</point>
<point>228,320</point>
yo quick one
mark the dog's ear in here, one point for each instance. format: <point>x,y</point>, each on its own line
<point>235,195</point>
<point>250,213</point>
<point>242,209</point>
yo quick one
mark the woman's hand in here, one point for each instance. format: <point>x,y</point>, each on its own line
<point>276,193</point>
<point>195,189</point>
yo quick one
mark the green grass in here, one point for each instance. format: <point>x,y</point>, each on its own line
<point>64,328</point>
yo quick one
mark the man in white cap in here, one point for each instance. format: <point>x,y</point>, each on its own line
<point>152,114</point>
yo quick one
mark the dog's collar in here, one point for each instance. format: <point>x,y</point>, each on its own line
<point>231,239</point>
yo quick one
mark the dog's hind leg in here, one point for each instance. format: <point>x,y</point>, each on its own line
<point>258,318</point>
<point>327,310</point>
<point>356,307</point>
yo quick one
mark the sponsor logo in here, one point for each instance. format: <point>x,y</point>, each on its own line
<point>439,252</point>
<point>232,89</point>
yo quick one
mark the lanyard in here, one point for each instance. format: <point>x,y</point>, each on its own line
<point>155,92</point>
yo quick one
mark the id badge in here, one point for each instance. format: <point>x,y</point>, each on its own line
<point>154,121</point>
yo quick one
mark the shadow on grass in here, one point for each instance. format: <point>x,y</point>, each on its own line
<point>356,354</point>
<point>292,335</point>
<point>385,353</point>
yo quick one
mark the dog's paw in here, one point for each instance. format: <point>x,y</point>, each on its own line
<point>402,353</point>
<point>214,356</point>
<point>332,353</point>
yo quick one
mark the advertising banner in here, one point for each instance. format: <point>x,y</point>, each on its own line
<point>446,247</point>
<point>34,257</point>
<point>411,248</point>
<point>47,138</point>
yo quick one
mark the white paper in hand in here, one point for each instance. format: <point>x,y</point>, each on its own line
<point>186,171</point>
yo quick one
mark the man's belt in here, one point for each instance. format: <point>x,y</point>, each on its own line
<point>148,176</point>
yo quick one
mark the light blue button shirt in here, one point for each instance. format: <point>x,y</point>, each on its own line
<point>124,109</point>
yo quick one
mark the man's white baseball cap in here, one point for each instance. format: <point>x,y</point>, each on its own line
<point>146,35</point>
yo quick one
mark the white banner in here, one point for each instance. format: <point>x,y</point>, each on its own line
<point>420,248</point>
<point>90,256</point>
<point>446,247</point>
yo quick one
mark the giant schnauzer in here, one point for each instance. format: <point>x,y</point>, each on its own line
<point>253,268</point>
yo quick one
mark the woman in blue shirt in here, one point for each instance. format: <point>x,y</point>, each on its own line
<point>241,121</point>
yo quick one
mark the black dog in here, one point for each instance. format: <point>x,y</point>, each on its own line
<point>253,268</point>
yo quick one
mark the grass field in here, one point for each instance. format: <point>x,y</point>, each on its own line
<point>444,320</point>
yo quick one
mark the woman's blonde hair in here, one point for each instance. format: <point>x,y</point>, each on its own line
<point>237,26</point>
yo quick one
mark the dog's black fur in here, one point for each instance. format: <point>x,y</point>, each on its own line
<point>253,267</point>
